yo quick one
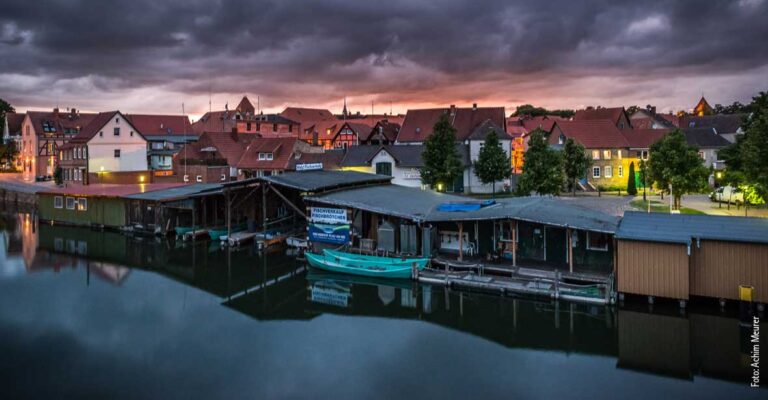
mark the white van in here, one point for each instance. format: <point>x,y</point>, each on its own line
<point>728,194</point>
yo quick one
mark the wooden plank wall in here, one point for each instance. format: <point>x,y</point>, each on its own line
<point>718,268</point>
<point>653,269</point>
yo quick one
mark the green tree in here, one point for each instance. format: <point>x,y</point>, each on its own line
<point>5,107</point>
<point>543,167</point>
<point>631,184</point>
<point>442,163</point>
<point>492,163</point>
<point>673,162</point>
<point>643,176</point>
<point>754,146</point>
<point>58,175</point>
<point>575,163</point>
<point>7,150</point>
<point>533,111</point>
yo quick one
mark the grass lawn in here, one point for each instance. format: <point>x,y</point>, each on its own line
<point>659,206</point>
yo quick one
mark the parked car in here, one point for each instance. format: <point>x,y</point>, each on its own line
<point>728,194</point>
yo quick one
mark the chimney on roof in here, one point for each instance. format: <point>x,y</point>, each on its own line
<point>453,110</point>
<point>474,106</point>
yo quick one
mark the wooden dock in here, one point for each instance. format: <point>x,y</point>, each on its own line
<point>520,281</point>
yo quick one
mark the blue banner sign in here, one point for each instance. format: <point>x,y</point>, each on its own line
<point>329,233</point>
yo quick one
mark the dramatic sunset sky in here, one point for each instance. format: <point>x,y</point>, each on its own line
<point>149,56</point>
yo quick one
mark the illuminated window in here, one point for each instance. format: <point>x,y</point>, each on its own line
<point>702,155</point>
<point>82,204</point>
<point>618,153</point>
<point>606,154</point>
<point>644,154</point>
<point>595,154</point>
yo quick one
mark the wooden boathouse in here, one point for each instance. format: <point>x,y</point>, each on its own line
<point>679,256</point>
<point>541,232</point>
<point>100,205</point>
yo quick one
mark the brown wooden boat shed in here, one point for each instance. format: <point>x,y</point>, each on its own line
<point>679,256</point>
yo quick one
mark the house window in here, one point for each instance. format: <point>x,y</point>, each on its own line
<point>258,127</point>
<point>702,155</point>
<point>290,128</point>
<point>644,154</point>
<point>270,156</point>
<point>595,172</point>
<point>608,171</point>
<point>117,153</point>
<point>597,241</point>
<point>618,153</point>
<point>606,154</point>
<point>82,204</point>
<point>131,133</point>
<point>621,171</point>
<point>274,127</point>
<point>262,156</point>
<point>117,120</point>
<point>248,126</point>
<point>384,168</point>
<point>70,203</point>
<point>595,154</point>
<point>117,131</point>
<point>101,133</point>
<point>58,202</point>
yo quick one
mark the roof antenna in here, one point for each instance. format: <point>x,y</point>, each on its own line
<point>185,134</point>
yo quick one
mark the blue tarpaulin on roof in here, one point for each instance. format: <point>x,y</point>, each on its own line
<point>465,206</point>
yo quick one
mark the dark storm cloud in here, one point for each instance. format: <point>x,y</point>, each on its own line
<point>293,50</point>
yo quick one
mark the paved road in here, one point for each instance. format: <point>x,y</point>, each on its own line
<point>17,184</point>
<point>702,203</point>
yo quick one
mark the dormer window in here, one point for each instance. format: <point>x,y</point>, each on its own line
<point>561,139</point>
<point>266,157</point>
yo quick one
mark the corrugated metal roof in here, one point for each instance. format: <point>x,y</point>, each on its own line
<point>681,228</point>
<point>175,192</point>
<point>421,205</point>
<point>313,181</point>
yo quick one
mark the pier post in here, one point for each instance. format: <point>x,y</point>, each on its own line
<point>461,241</point>
<point>514,245</point>
<point>650,299</point>
<point>570,249</point>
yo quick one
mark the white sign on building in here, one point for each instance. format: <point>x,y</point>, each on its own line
<point>329,215</point>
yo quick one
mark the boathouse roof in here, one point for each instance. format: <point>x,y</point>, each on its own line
<point>174,193</point>
<point>422,206</point>
<point>683,228</point>
<point>318,181</point>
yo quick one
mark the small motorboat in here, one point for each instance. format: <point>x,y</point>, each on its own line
<point>373,266</point>
<point>297,242</point>
<point>219,231</point>
<point>181,230</point>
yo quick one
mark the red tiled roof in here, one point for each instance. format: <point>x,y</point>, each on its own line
<point>14,123</point>
<point>215,121</point>
<point>281,148</point>
<point>60,120</point>
<point>386,128</point>
<point>325,130</point>
<point>90,130</point>
<point>108,190</point>
<point>643,138</point>
<point>672,118</point>
<point>160,124</point>
<point>418,124</point>
<point>224,145</point>
<point>642,123</point>
<point>245,106</point>
<point>303,115</point>
<point>543,122</point>
<point>591,134</point>
<point>516,130</point>
<point>612,114</point>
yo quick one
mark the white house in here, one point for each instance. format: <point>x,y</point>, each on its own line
<point>476,141</point>
<point>109,149</point>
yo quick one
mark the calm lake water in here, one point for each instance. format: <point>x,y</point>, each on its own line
<point>98,314</point>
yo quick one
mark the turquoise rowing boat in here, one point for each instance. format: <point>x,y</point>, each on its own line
<point>383,269</point>
<point>374,260</point>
